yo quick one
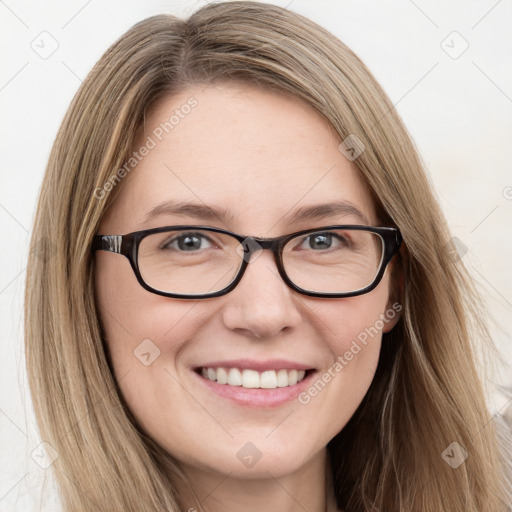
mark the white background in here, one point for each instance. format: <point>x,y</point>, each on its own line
<point>458,110</point>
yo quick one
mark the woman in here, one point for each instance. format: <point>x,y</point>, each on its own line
<point>175,362</point>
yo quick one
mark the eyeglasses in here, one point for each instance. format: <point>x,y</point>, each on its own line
<point>198,262</point>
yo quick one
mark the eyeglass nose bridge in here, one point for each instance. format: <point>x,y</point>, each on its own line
<point>250,245</point>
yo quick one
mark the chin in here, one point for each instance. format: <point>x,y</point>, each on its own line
<point>249,460</point>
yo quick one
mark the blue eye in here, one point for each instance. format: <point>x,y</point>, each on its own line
<point>187,242</point>
<point>325,240</point>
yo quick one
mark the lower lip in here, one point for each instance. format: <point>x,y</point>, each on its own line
<point>258,397</point>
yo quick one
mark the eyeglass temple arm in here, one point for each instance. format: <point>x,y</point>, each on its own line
<point>398,238</point>
<point>111,243</point>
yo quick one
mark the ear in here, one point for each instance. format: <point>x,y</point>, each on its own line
<point>394,304</point>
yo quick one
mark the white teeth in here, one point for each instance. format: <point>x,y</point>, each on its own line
<point>250,379</point>
<point>269,379</point>
<point>234,377</point>
<point>282,378</point>
<point>222,376</point>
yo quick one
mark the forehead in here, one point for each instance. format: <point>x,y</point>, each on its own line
<point>256,153</point>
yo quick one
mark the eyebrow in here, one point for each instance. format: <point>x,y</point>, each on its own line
<point>204,212</point>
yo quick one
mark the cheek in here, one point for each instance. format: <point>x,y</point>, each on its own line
<point>135,324</point>
<point>129,313</point>
<point>355,321</point>
<point>352,334</point>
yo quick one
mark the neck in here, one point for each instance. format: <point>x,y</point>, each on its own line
<point>307,488</point>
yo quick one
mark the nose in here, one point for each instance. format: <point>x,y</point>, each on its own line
<point>262,305</point>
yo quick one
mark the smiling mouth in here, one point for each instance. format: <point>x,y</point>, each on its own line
<point>252,379</point>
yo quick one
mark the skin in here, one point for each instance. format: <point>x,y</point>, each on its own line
<point>259,155</point>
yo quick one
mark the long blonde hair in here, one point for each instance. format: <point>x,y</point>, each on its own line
<point>427,391</point>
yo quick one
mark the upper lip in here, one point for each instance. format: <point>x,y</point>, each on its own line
<point>259,366</point>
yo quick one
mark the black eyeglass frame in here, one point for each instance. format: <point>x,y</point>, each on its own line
<point>128,246</point>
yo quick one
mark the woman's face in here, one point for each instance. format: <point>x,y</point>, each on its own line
<point>256,158</point>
